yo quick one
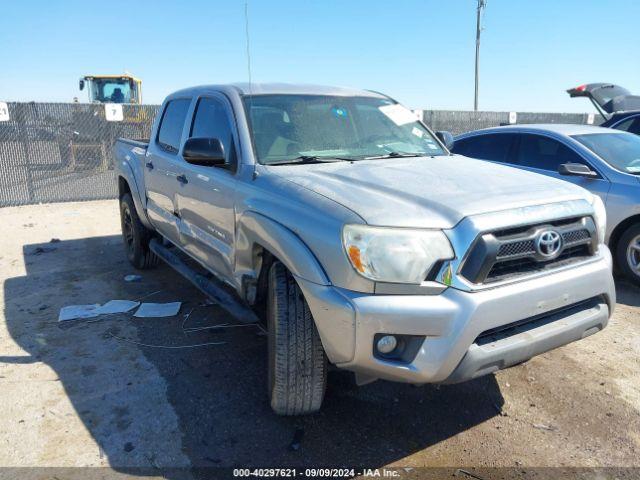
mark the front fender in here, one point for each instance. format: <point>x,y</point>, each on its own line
<point>257,229</point>
<point>333,314</point>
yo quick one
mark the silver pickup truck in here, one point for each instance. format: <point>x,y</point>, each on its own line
<point>352,231</point>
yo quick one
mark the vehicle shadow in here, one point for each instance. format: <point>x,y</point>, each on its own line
<point>627,293</point>
<point>204,406</point>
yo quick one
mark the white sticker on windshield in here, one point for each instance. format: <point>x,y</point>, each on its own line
<point>398,114</point>
<point>432,146</point>
<point>633,169</point>
<point>417,132</point>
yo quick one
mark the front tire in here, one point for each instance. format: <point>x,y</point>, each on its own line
<point>628,253</point>
<point>136,236</point>
<point>297,362</point>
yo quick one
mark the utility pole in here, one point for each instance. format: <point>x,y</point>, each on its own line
<point>481,6</point>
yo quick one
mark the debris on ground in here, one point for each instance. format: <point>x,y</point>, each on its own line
<point>76,312</point>
<point>41,250</point>
<point>542,426</point>
<point>500,410</point>
<point>118,306</point>
<point>467,473</point>
<point>297,439</point>
<point>132,278</point>
<point>171,347</point>
<point>147,310</point>
<point>149,295</point>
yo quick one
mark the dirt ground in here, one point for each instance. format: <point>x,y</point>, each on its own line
<point>75,395</point>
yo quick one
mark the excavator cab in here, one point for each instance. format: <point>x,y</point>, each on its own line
<point>112,88</point>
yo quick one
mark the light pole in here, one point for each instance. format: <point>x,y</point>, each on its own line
<point>481,5</point>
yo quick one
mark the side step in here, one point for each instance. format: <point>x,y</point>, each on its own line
<point>210,287</point>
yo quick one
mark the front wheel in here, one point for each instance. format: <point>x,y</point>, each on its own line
<point>628,253</point>
<point>297,362</point>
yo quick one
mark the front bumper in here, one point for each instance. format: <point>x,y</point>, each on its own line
<point>563,307</point>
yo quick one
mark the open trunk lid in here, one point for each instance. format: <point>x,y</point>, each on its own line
<point>607,97</point>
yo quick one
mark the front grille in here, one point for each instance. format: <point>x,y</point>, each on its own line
<point>528,247</point>
<point>510,253</point>
<point>513,268</point>
<point>575,236</point>
<point>516,248</point>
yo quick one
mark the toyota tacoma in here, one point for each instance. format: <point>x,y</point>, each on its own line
<point>343,222</point>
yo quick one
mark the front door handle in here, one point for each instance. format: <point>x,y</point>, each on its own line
<point>182,179</point>
<point>149,165</point>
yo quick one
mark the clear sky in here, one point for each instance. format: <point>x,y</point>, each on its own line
<point>418,51</point>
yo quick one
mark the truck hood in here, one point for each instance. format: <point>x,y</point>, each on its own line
<point>427,192</point>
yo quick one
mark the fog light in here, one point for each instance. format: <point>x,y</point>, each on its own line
<point>387,344</point>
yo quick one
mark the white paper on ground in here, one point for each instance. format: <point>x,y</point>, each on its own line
<point>117,306</point>
<point>73,312</point>
<point>147,310</point>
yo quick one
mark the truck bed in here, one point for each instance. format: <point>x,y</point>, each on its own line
<point>135,142</point>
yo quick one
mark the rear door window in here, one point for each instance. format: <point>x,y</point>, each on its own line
<point>537,151</point>
<point>172,123</point>
<point>495,147</point>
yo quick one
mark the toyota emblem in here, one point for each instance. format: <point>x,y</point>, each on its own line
<point>549,244</point>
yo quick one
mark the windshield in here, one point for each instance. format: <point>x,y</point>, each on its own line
<point>111,91</point>
<point>289,127</point>
<point>620,150</point>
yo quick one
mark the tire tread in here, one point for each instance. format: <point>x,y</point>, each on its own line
<point>300,366</point>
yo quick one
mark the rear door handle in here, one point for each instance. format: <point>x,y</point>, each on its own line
<point>182,179</point>
<point>149,165</point>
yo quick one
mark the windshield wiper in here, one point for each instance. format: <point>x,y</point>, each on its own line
<point>397,155</point>
<point>306,159</point>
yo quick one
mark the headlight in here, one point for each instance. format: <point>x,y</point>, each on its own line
<point>395,255</point>
<point>600,216</point>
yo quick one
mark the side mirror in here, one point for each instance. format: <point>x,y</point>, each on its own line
<point>207,152</point>
<point>446,138</point>
<point>81,84</point>
<point>576,170</point>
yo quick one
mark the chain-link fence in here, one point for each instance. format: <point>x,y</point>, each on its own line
<point>56,152</point>
<point>458,122</point>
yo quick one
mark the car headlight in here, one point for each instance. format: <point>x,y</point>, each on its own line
<point>600,217</point>
<point>396,255</point>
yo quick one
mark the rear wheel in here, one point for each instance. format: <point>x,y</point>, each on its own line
<point>135,235</point>
<point>297,362</point>
<point>628,253</point>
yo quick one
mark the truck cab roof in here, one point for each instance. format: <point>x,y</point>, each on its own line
<point>243,89</point>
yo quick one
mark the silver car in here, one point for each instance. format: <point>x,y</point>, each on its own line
<point>602,160</point>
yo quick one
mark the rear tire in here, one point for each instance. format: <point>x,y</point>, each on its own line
<point>628,253</point>
<point>136,236</point>
<point>297,362</point>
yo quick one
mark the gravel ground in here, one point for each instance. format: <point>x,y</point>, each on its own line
<point>75,395</point>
